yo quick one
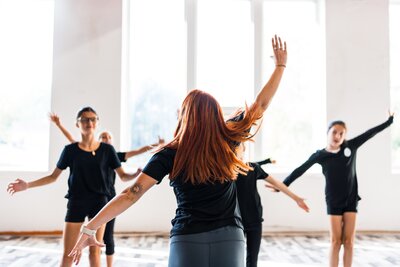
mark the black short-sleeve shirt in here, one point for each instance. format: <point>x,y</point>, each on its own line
<point>121,157</point>
<point>89,173</point>
<point>249,199</point>
<point>201,207</point>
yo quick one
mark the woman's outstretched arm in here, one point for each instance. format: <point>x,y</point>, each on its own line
<point>364,137</point>
<point>20,185</point>
<point>143,149</point>
<point>114,208</point>
<point>283,188</point>
<point>299,171</point>
<point>266,94</point>
<point>127,176</point>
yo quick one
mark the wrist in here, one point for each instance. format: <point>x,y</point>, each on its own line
<point>87,231</point>
<point>280,65</point>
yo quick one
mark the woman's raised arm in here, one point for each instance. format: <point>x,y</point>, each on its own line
<point>264,97</point>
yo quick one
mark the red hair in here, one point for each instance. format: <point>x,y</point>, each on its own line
<point>205,144</point>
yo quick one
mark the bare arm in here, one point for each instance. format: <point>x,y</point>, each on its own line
<point>282,187</point>
<point>56,120</point>
<point>264,97</point>
<point>114,208</point>
<point>20,185</point>
<point>127,176</point>
<point>138,151</point>
<point>143,149</point>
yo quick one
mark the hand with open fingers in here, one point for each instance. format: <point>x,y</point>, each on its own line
<point>17,186</point>
<point>280,52</point>
<point>83,242</point>
<point>302,204</point>
<point>54,118</point>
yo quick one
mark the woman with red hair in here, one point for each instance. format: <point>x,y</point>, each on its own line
<point>202,165</point>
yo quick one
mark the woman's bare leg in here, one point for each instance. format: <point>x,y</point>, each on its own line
<point>110,259</point>
<point>336,223</point>
<point>70,236</point>
<point>349,230</point>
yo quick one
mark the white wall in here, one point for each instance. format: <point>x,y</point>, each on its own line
<point>87,71</point>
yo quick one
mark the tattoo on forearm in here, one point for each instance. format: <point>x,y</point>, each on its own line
<point>136,189</point>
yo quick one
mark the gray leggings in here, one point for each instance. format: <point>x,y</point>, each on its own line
<point>223,247</point>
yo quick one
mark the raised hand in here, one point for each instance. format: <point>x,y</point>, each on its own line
<point>17,186</point>
<point>161,141</point>
<point>83,242</point>
<point>280,52</point>
<point>54,118</point>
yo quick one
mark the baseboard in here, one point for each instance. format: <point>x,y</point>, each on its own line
<point>32,233</point>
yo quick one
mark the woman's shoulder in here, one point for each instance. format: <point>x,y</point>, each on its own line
<point>72,146</point>
<point>166,152</point>
<point>319,153</point>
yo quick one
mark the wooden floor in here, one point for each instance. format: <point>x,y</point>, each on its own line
<point>371,250</point>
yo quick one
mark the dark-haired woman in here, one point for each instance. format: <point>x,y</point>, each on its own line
<point>338,161</point>
<point>89,162</point>
<point>202,165</point>
<point>106,137</point>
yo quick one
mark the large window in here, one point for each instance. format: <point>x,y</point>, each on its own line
<point>223,47</point>
<point>26,50</point>
<point>394,24</point>
<point>225,51</point>
<point>157,69</point>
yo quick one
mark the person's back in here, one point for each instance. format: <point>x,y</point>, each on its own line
<point>205,165</point>
<point>200,207</point>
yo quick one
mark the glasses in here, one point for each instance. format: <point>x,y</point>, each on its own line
<point>86,120</point>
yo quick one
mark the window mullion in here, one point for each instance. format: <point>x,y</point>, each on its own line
<point>255,149</point>
<point>191,23</point>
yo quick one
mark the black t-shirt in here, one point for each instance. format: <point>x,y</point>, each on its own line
<point>339,168</point>
<point>89,174</point>
<point>121,157</point>
<point>248,197</point>
<point>201,207</point>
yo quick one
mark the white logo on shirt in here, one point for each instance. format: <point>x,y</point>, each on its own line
<point>347,152</point>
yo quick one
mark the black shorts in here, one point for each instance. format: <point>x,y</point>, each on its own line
<point>349,207</point>
<point>78,210</point>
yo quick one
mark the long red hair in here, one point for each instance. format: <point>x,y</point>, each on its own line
<point>205,144</point>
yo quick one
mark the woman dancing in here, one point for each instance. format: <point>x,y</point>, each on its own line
<point>338,161</point>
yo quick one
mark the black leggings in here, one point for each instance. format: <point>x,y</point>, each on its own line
<point>109,237</point>
<point>253,242</point>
